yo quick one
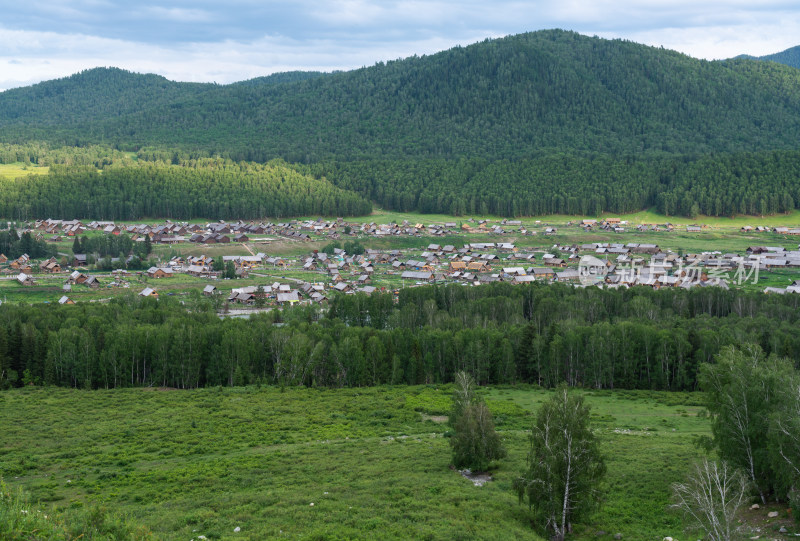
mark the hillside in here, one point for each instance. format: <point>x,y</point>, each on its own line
<point>789,57</point>
<point>89,97</point>
<point>541,92</point>
<point>536,123</point>
<point>280,78</point>
<point>132,191</point>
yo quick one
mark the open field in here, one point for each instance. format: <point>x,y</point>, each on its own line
<point>382,216</point>
<point>373,463</point>
<point>14,170</point>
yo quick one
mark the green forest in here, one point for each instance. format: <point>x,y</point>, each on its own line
<point>542,334</point>
<point>215,189</point>
<point>509,98</point>
<point>100,182</point>
<point>538,123</point>
<point>715,185</point>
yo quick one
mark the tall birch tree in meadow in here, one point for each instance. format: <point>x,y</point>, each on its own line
<point>565,465</point>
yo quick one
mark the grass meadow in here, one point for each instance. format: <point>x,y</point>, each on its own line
<point>374,462</point>
<point>9,171</point>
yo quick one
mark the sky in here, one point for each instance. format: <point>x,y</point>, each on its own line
<point>233,40</point>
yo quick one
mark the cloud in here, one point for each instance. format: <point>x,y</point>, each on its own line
<point>205,40</point>
<point>177,15</point>
<point>222,62</point>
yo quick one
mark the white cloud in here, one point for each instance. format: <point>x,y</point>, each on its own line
<point>720,41</point>
<point>177,14</point>
<point>50,56</point>
<point>201,40</point>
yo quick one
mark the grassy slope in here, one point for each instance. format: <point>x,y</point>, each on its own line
<point>186,463</point>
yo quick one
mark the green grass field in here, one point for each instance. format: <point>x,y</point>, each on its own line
<point>372,461</point>
<point>15,170</point>
<point>382,216</point>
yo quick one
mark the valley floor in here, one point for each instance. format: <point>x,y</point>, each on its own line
<point>314,463</point>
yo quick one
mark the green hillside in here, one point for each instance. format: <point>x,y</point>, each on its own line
<point>548,91</point>
<point>537,123</point>
<point>132,191</point>
<point>90,97</point>
<point>789,57</point>
<point>280,78</point>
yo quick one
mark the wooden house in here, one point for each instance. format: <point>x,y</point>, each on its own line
<point>478,266</point>
<point>25,279</point>
<point>159,272</point>
<point>50,265</point>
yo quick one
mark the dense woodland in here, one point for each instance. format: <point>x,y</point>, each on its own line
<point>13,245</point>
<point>761,183</point>
<point>209,188</point>
<point>544,334</point>
<point>715,185</point>
<point>509,98</point>
<point>537,123</point>
<point>789,57</point>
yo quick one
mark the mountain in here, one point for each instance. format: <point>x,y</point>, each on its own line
<point>789,57</point>
<point>93,95</point>
<point>535,93</point>
<point>542,122</point>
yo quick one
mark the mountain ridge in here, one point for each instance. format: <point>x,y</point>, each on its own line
<point>541,92</point>
<point>534,123</point>
<point>789,57</point>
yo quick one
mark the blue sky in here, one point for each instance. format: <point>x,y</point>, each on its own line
<point>203,40</point>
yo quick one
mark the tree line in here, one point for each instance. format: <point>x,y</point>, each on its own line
<point>715,185</point>
<point>632,339</point>
<point>43,154</point>
<point>132,192</point>
<point>755,183</point>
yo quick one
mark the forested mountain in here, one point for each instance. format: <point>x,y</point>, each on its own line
<point>90,96</point>
<point>789,57</point>
<point>548,91</point>
<point>542,122</point>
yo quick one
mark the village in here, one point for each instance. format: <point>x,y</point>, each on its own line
<point>207,256</point>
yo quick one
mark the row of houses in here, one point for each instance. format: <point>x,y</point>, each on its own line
<point>280,294</point>
<point>764,229</point>
<point>615,264</point>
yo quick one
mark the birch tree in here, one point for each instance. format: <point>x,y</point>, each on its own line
<point>564,464</point>
<point>742,393</point>
<point>710,497</point>
<point>474,441</point>
<point>784,439</point>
